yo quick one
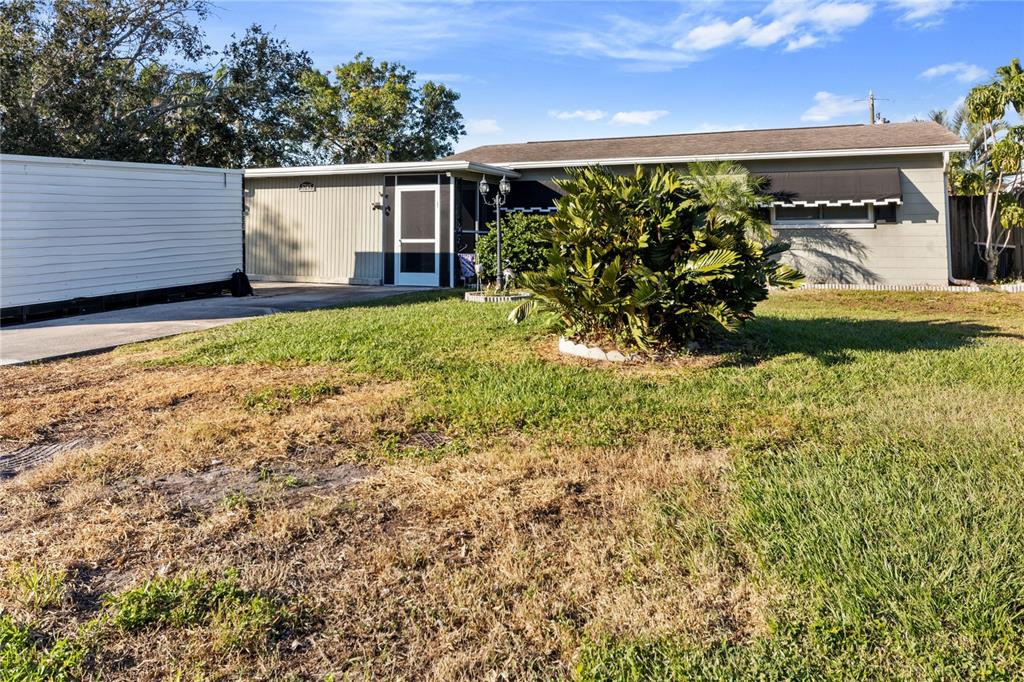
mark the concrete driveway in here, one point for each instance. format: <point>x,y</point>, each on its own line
<point>69,336</point>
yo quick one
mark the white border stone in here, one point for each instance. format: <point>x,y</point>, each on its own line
<point>582,350</point>
<point>1015,288</point>
<point>484,297</point>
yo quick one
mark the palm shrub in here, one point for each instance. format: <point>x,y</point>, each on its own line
<point>658,258</point>
<point>522,244</point>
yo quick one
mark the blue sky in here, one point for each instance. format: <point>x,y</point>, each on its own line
<point>554,70</point>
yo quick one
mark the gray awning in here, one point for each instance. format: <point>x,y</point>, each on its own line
<point>835,187</point>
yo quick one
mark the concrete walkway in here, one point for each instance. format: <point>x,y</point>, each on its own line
<point>69,336</point>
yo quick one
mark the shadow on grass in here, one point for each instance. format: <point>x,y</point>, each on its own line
<point>833,340</point>
<point>425,296</point>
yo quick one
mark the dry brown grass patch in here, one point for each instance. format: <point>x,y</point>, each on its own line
<point>501,561</point>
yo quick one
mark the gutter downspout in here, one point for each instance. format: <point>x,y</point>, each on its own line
<point>949,225</point>
<point>949,222</point>
<point>383,228</point>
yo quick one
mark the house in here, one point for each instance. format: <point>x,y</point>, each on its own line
<point>860,204</point>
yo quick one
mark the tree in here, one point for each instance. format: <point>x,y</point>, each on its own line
<point>85,78</point>
<point>373,111</point>
<point>657,258</point>
<point>973,134</point>
<point>437,125</point>
<point>98,79</point>
<point>994,170</point>
<point>252,118</point>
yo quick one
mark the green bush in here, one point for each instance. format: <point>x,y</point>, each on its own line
<point>657,258</point>
<point>522,244</point>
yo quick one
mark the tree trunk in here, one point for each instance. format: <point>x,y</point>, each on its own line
<point>992,263</point>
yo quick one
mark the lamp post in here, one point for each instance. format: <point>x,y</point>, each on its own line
<point>497,201</point>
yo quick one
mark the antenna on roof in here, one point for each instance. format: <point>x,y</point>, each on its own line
<point>872,118</point>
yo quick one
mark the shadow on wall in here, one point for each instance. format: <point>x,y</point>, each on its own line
<point>369,268</point>
<point>271,251</point>
<point>923,211</point>
<point>828,256</point>
<point>833,341</point>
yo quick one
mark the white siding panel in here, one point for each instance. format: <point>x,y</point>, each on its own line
<point>71,228</point>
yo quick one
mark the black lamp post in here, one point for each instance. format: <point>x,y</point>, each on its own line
<point>497,201</point>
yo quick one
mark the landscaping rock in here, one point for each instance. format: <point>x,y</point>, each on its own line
<point>582,350</point>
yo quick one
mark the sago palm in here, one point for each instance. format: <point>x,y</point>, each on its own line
<point>656,258</point>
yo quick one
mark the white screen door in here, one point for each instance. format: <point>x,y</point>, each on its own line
<point>417,260</point>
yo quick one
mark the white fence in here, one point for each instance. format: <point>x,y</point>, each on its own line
<point>71,228</point>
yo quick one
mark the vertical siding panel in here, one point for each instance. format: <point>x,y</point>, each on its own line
<point>323,236</point>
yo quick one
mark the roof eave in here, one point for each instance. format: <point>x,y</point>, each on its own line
<point>742,156</point>
<point>392,168</point>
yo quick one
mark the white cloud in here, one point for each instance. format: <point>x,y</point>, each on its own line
<point>828,105</point>
<point>483,126</point>
<point>646,46</point>
<point>715,34</point>
<point>833,17</point>
<point>799,24</point>
<point>800,43</point>
<point>923,13</point>
<point>965,73</point>
<point>407,29</point>
<point>639,118</point>
<point>582,114</point>
<point>772,32</point>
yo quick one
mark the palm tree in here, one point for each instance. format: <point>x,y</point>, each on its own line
<point>991,169</point>
<point>974,134</point>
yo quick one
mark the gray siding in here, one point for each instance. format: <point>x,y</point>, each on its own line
<point>328,235</point>
<point>914,250</point>
<point>74,228</point>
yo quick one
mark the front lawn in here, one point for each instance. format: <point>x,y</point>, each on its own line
<point>417,489</point>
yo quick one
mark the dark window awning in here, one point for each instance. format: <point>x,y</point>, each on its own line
<point>835,187</point>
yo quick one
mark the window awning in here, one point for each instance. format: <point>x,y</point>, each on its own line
<point>877,186</point>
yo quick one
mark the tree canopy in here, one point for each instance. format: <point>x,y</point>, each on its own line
<point>134,80</point>
<point>993,168</point>
<point>368,111</point>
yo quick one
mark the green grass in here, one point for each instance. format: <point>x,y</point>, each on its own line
<point>276,400</point>
<point>878,451</point>
<point>34,586</point>
<point>26,658</point>
<point>238,618</point>
<point>232,618</point>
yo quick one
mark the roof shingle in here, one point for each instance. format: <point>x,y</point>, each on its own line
<point>778,140</point>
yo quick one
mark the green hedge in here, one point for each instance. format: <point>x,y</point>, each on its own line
<point>522,244</point>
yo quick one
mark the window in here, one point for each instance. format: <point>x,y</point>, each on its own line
<point>823,216</point>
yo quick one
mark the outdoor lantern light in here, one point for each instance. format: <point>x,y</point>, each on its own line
<point>497,201</point>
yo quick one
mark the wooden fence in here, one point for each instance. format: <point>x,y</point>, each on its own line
<point>967,264</point>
